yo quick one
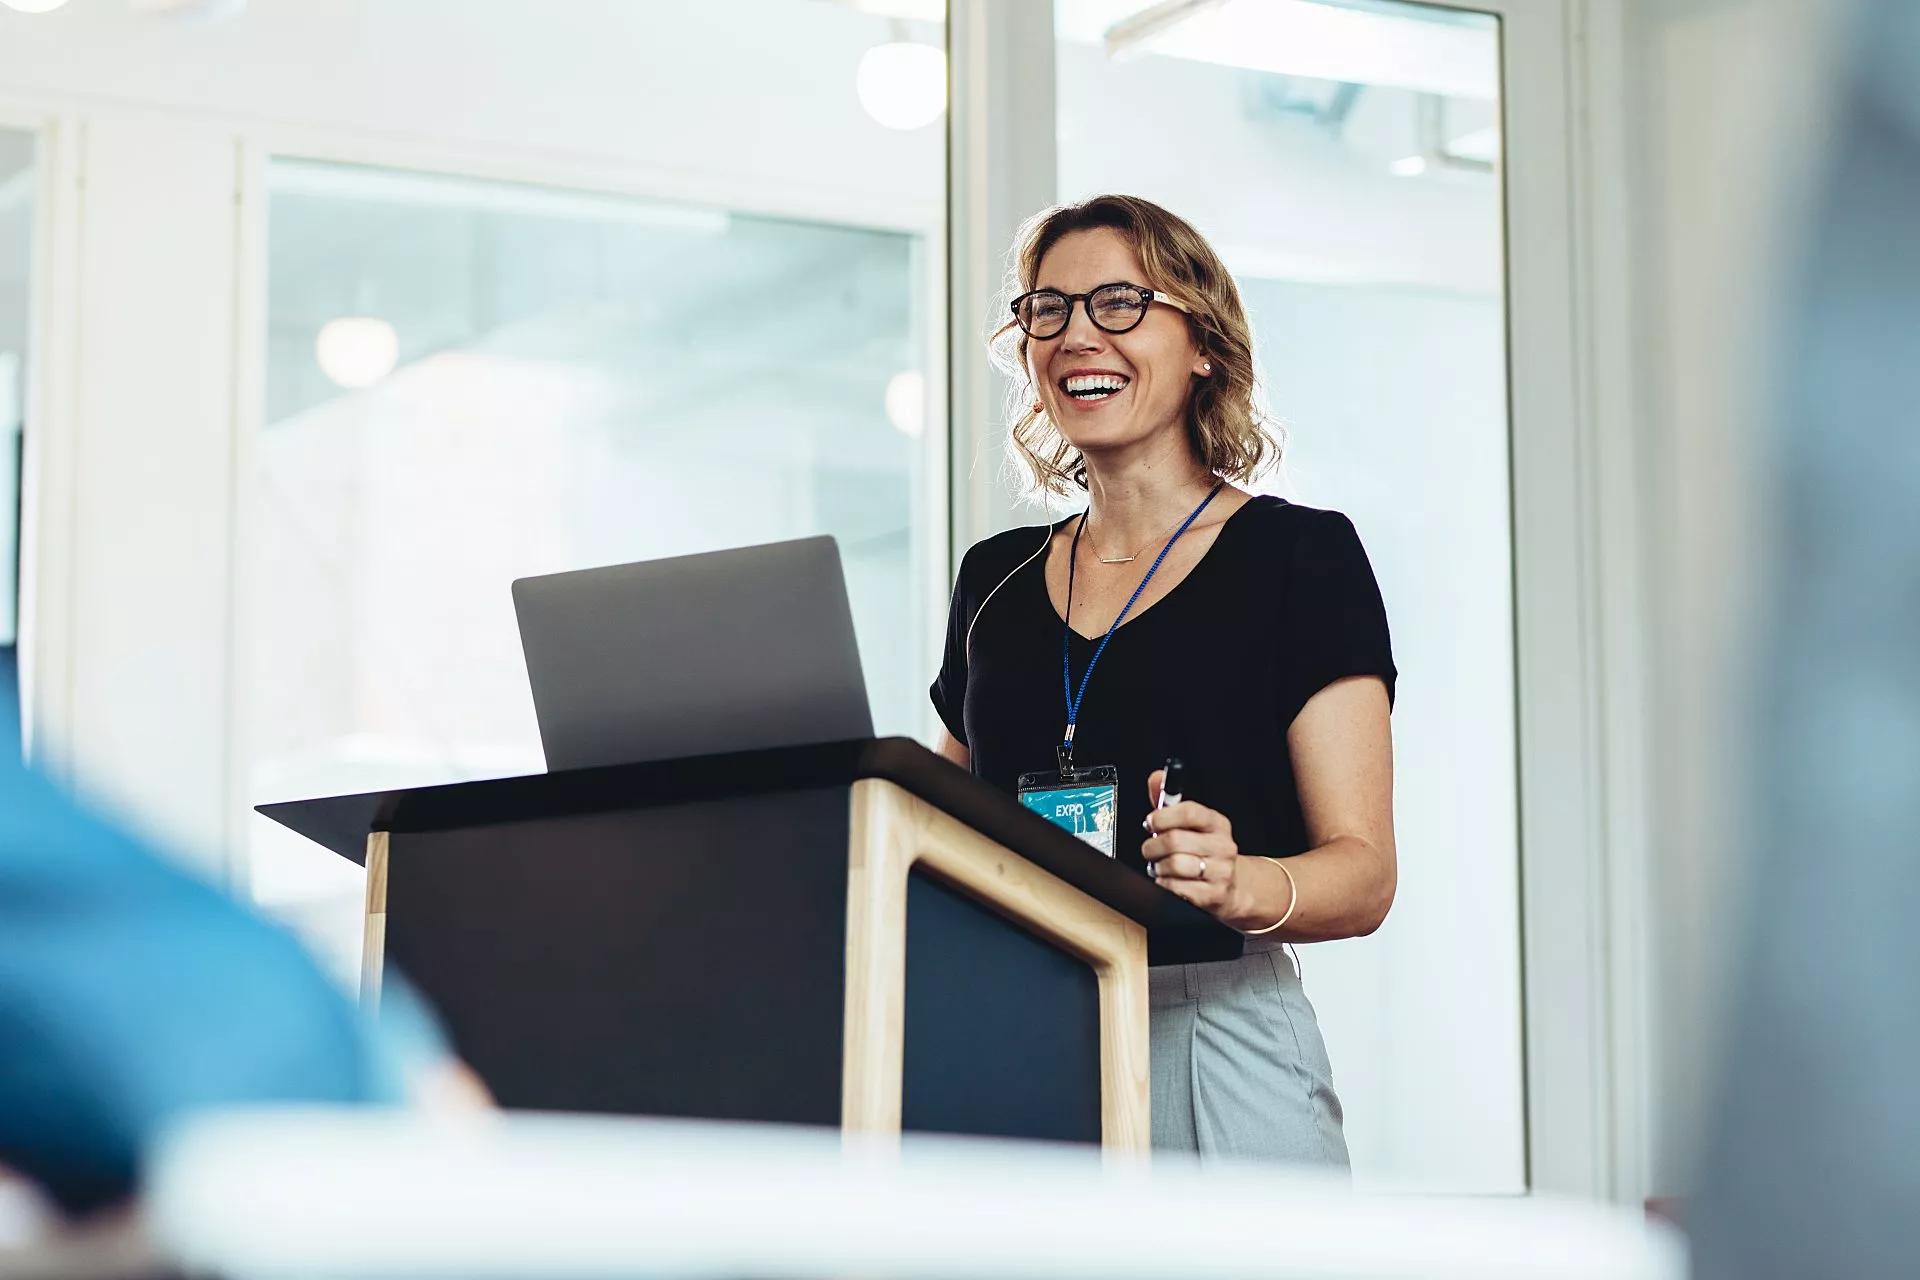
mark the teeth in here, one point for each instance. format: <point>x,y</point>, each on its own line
<point>1094,382</point>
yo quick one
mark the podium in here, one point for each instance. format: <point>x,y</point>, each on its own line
<point>854,934</point>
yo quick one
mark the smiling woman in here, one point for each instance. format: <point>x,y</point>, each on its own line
<point>1253,647</point>
<point>1119,235</point>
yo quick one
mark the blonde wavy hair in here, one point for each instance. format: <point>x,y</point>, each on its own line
<point>1229,429</point>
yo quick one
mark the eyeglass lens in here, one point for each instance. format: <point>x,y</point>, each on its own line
<point>1115,308</point>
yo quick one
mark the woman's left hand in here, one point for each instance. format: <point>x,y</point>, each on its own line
<point>1190,851</point>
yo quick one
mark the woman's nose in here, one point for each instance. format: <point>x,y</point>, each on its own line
<point>1081,333</point>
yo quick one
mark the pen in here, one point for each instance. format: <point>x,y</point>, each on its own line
<point>1172,782</point>
<point>1173,785</point>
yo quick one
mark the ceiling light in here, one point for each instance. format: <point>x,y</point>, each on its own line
<point>907,402</point>
<point>1408,166</point>
<point>357,351</point>
<point>1455,54</point>
<point>903,84</point>
<point>33,6</point>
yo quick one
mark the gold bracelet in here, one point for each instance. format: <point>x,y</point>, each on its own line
<point>1293,900</point>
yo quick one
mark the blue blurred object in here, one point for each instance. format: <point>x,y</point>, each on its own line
<point>1813,1166</point>
<point>132,994</point>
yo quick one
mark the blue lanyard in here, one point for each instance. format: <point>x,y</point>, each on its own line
<point>1066,632</point>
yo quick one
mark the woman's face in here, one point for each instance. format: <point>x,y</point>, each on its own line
<point>1156,361</point>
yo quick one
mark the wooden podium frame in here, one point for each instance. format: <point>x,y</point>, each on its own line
<point>892,832</point>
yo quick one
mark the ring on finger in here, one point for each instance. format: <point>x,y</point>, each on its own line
<point>1203,870</point>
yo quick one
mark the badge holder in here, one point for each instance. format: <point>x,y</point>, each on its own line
<point>1082,802</point>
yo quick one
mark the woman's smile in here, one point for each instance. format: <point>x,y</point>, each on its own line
<point>1086,390</point>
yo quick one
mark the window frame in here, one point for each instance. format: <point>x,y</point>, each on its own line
<point>45,599</point>
<point>260,147</point>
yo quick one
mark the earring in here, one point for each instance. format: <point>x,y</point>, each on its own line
<point>1206,366</point>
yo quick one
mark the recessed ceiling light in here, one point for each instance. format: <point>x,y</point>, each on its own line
<point>1454,54</point>
<point>902,84</point>
<point>907,402</point>
<point>357,351</point>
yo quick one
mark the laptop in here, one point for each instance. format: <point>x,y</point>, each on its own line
<point>724,651</point>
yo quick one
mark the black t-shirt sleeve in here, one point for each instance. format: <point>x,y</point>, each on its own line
<point>949,688</point>
<point>1334,621</point>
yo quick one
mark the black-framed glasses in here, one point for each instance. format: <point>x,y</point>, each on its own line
<point>1115,307</point>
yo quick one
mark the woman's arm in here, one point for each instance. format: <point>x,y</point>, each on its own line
<point>951,748</point>
<point>1342,749</point>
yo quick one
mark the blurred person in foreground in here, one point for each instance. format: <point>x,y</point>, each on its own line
<point>133,994</point>
<point>1813,1168</point>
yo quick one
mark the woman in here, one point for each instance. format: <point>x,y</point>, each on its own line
<point>1181,616</point>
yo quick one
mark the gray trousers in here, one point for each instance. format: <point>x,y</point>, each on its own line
<point>1239,1068</point>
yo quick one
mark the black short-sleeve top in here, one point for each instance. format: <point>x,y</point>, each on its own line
<point>1283,604</point>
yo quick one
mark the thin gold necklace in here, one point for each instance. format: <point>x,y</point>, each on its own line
<point>1159,537</point>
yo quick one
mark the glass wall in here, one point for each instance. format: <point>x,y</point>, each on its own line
<point>17,179</point>
<point>1344,158</point>
<point>469,381</point>
<point>472,382</point>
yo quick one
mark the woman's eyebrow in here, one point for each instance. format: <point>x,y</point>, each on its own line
<point>1060,288</point>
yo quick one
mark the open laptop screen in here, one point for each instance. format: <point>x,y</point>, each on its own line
<point>723,651</point>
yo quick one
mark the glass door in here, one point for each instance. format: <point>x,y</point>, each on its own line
<point>1345,159</point>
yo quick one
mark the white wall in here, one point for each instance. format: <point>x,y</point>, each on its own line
<point>143,718</point>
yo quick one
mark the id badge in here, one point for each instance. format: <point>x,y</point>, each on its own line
<point>1084,802</point>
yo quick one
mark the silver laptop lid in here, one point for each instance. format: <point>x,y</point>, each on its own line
<point>724,651</point>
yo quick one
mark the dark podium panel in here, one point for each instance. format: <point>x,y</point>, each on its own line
<point>985,1004</point>
<point>852,933</point>
<point>597,962</point>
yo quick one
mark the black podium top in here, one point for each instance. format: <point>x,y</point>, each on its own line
<point>1178,932</point>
